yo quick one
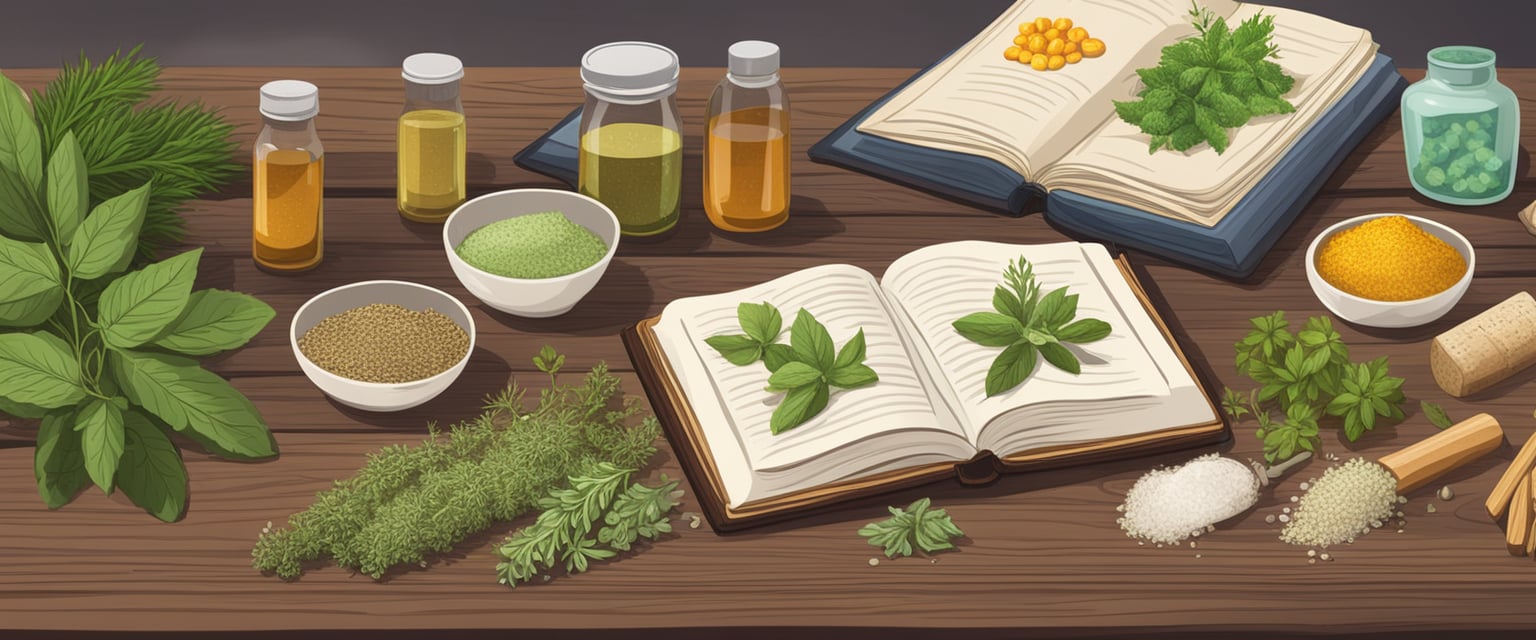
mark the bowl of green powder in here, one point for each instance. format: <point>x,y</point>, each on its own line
<point>382,345</point>
<point>531,252</point>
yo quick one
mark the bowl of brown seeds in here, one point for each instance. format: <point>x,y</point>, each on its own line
<point>382,345</point>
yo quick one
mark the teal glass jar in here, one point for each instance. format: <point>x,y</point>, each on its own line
<point>1461,129</point>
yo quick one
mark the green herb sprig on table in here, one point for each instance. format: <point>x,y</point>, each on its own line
<point>563,533</point>
<point>1028,327</point>
<point>915,527</point>
<point>186,148</point>
<point>1306,376</point>
<point>91,350</point>
<point>1436,415</point>
<point>805,370</point>
<point>1206,84</point>
<point>410,501</point>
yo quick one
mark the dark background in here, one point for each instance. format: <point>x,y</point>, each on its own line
<point>879,33</point>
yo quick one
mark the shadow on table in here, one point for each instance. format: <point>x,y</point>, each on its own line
<point>622,298</point>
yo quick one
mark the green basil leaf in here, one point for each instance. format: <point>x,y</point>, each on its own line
<point>193,401</point>
<point>58,463</point>
<point>68,193</point>
<point>1038,338</point>
<point>761,322</point>
<point>21,409</point>
<point>152,473</point>
<point>1050,307</point>
<point>852,352</point>
<point>1435,414</point>
<point>775,356</point>
<point>141,304</point>
<point>799,405</point>
<point>738,350</point>
<point>101,440</point>
<point>811,342</point>
<point>39,369</point>
<point>105,241</point>
<point>794,375</point>
<point>30,283</point>
<point>990,329</point>
<point>853,376</point>
<point>215,321</point>
<point>1061,358</point>
<point>1010,368</point>
<point>1084,331</point>
<point>21,147</point>
<point>21,213</point>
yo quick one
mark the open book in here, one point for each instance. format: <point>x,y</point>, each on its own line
<point>929,412</point>
<point>1059,129</point>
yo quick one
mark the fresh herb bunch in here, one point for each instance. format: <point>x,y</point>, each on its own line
<point>1206,84</point>
<point>928,530</point>
<point>408,502</point>
<point>91,350</point>
<point>1029,326</point>
<point>185,147</point>
<point>805,370</point>
<point>564,532</point>
<point>1305,376</point>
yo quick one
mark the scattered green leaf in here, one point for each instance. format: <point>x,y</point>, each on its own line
<point>1436,414</point>
<point>915,528</point>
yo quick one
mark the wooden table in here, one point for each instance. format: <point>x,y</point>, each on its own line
<point>1043,554</point>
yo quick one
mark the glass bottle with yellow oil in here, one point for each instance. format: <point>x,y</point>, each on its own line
<point>288,229</point>
<point>631,152</point>
<point>430,139</point>
<point>746,145</point>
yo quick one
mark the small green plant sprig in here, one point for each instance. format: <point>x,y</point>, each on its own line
<point>805,370</point>
<point>99,355</point>
<point>915,527</point>
<point>1306,376</point>
<point>1206,84</point>
<point>563,533</point>
<point>1029,327</point>
<point>1436,415</point>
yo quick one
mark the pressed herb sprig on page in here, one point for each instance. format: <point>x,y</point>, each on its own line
<point>805,370</point>
<point>1207,84</point>
<point>1028,325</point>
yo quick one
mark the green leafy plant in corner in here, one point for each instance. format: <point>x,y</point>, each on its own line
<point>1308,377</point>
<point>125,141</point>
<point>805,370</point>
<point>568,531</point>
<point>1209,83</point>
<point>917,527</point>
<point>100,354</point>
<point>1029,327</point>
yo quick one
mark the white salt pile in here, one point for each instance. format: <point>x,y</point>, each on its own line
<point>1348,501</point>
<point>1169,505</point>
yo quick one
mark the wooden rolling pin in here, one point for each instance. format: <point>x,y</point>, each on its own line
<point>1422,462</point>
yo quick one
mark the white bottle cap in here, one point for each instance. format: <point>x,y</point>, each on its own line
<point>432,68</point>
<point>290,100</point>
<point>630,69</point>
<point>752,58</point>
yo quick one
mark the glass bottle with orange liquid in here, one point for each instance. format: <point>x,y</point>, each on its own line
<point>746,148</point>
<point>287,230</point>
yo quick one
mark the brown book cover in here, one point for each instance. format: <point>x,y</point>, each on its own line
<point>670,404</point>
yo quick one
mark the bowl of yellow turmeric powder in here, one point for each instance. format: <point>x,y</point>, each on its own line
<point>1390,270</point>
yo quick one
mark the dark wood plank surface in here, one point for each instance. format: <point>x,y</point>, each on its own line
<point>1043,551</point>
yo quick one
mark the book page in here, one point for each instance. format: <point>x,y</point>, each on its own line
<point>979,103</point>
<point>940,284</point>
<point>889,424</point>
<point>1325,57</point>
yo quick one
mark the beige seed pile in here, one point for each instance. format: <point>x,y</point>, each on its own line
<point>385,343</point>
<point>1348,501</point>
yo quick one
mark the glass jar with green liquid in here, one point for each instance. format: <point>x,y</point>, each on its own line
<point>430,142</point>
<point>631,153</point>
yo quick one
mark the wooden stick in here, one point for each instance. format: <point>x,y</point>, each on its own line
<point>1530,538</point>
<point>1422,462</point>
<point>1498,499</point>
<point>1518,534</point>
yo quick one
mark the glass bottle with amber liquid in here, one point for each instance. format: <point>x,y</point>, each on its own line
<point>431,139</point>
<point>746,148</point>
<point>288,229</point>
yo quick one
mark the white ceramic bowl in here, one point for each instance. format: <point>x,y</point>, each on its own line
<point>376,396</point>
<point>1376,313</point>
<point>540,298</point>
